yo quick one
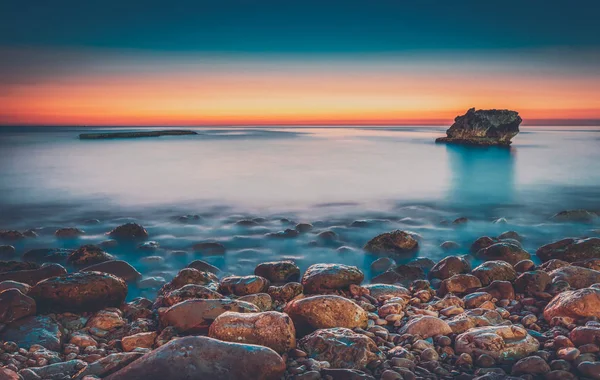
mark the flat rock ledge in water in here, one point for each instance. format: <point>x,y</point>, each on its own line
<point>135,134</point>
<point>483,127</point>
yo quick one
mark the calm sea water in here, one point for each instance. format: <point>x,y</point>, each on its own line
<point>391,177</point>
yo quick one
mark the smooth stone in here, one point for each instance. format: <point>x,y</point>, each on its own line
<point>508,252</point>
<point>426,327</point>
<point>129,231</point>
<point>320,278</point>
<point>576,277</point>
<point>503,343</point>
<point>47,255</point>
<point>203,266</point>
<point>243,285</point>
<point>33,276</point>
<point>15,305</point>
<point>491,271</point>
<point>396,242</point>
<point>278,271</point>
<point>575,304</point>
<point>119,268</point>
<point>570,250</point>
<point>325,311</point>
<point>448,267</point>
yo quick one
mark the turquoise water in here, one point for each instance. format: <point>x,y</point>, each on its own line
<point>393,177</point>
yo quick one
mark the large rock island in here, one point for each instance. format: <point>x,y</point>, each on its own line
<point>483,127</point>
<point>134,134</point>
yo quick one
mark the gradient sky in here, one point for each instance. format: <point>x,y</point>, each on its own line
<point>223,62</point>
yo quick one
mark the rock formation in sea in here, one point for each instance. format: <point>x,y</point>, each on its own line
<point>483,127</point>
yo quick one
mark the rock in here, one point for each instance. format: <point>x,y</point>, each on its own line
<point>448,267</point>
<point>28,331</point>
<point>119,268</point>
<point>325,311</point>
<point>575,304</point>
<point>341,348</point>
<point>582,335</point>
<point>483,127</point>
<point>320,278</point>
<point>196,315</point>
<point>141,340</point>
<point>533,365</point>
<point>15,305</point>
<point>82,340</point>
<point>511,235</point>
<point>11,266</point>
<point>189,276</point>
<point>47,255</point>
<point>8,374</point>
<point>474,300</point>
<point>450,246</point>
<point>23,288</point>
<point>385,291</point>
<point>508,252</point>
<point>426,327</point>
<point>503,343</point>
<point>107,319</point>
<point>88,255</point>
<point>7,251</point>
<point>149,246</point>
<point>582,216</point>
<point>382,264</point>
<point>270,329</point>
<point>343,374</point>
<point>190,291</point>
<point>303,227</point>
<point>590,369</point>
<point>11,235</point>
<point>491,271</point>
<point>198,357</point>
<point>286,292</point>
<point>500,290</point>
<point>203,266</point>
<point>570,250</point>
<point>396,242</point>
<point>589,263</point>
<point>531,283</point>
<point>108,364</point>
<point>524,266</point>
<point>278,272</point>
<point>262,300</point>
<point>209,248</point>
<point>58,370</point>
<point>243,285</point>
<point>136,134</point>
<point>75,292</point>
<point>459,284</point>
<point>481,243</point>
<point>68,233</point>
<point>129,231</point>
<point>576,277</point>
<point>33,276</point>
<point>401,274</point>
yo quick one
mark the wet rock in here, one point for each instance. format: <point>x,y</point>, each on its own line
<point>270,329</point>
<point>262,300</point>
<point>581,216</point>
<point>107,319</point>
<point>481,243</point>
<point>196,315</point>
<point>68,233</point>
<point>491,271</point>
<point>8,374</point>
<point>189,276</point>
<point>459,284</point>
<point>320,278</point>
<point>119,268</point>
<point>28,331</point>
<point>511,235</point>
<point>278,271</point>
<point>85,291</point>
<point>576,277</point>
<point>386,291</point>
<point>325,311</point>
<point>286,292</point>
<point>396,242</point>
<point>524,266</point>
<point>382,264</point>
<point>88,255</point>
<point>448,267</point>
<point>303,227</point>
<point>590,369</point>
<point>203,266</point>
<point>401,274</point>
<point>48,255</point>
<point>570,250</point>
<point>141,340</point>
<point>575,304</point>
<point>533,365</point>
<point>341,348</point>
<point>288,233</point>
<point>15,305</point>
<point>11,235</point>
<point>149,246</point>
<point>190,291</point>
<point>11,266</point>
<point>58,370</point>
<point>243,285</point>
<point>108,365</point>
<point>500,290</point>
<point>344,374</point>
<point>508,252</point>
<point>483,127</point>
<point>209,248</point>
<point>33,276</point>
<point>503,343</point>
<point>23,288</point>
<point>129,231</point>
<point>7,251</point>
<point>533,282</point>
<point>589,263</point>
<point>426,327</point>
<point>582,335</point>
<point>200,357</point>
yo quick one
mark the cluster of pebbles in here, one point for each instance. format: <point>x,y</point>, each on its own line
<point>490,314</point>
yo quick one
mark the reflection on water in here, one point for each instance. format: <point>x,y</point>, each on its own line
<point>481,175</point>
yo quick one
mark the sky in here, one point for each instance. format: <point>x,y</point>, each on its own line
<point>226,62</point>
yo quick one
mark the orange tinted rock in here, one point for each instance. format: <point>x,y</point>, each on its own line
<point>570,250</point>
<point>494,270</point>
<point>448,267</point>
<point>426,327</point>
<point>243,285</point>
<point>500,342</point>
<point>141,340</point>
<point>278,271</point>
<point>129,231</point>
<point>458,284</point>
<point>396,242</point>
<point>88,255</point>
<point>325,311</point>
<point>511,253</point>
<point>328,277</point>
<point>15,305</point>
<point>577,277</point>
<point>576,304</point>
<point>190,291</point>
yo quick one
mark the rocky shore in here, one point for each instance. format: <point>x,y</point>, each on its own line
<point>490,313</point>
<point>135,134</point>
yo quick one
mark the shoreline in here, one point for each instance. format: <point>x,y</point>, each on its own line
<point>490,312</point>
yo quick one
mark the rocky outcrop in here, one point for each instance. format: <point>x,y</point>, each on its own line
<point>134,134</point>
<point>483,127</point>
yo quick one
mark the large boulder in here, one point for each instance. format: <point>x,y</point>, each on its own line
<point>199,357</point>
<point>33,276</point>
<point>243,285</point>
<point>278,271</point>
<point>395,242</point>
<point>129,231</point>
<point>448,267</point>
<point>31,330</point>
<point>570,250</point>
<point>196,315</point>
<point>15,305</point>
<point>341,347</point>
<point>330,277</point>
<point>503,343</point>
<point>270,329</point>
<point>483,127</point>
<point>511,253</point>
<point>576,277</point>
<point>325,311</point>
<point>574,304</point>
<point>77,292</point>
<point>491,271</point>
<point>117,268</point>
